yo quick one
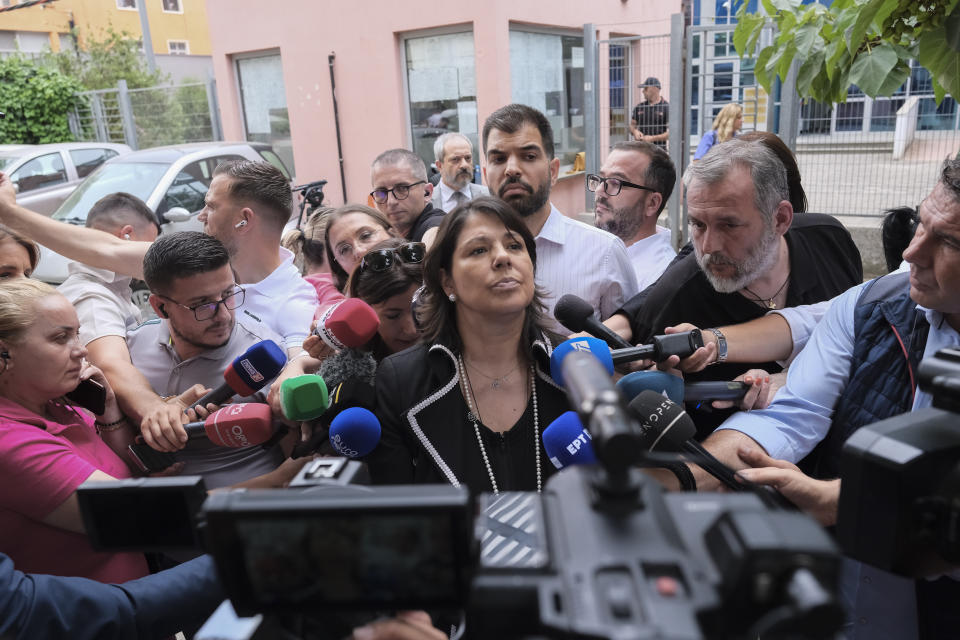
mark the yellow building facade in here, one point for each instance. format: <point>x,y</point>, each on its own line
<point>177,27</point>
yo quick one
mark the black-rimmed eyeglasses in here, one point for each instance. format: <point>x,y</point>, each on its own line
<point>206,310</point>
<point>612,186</point>
<point>400,192</point>
<point>382,259</point>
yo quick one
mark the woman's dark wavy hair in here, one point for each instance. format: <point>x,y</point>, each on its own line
<point>798,197</point>
<point>374,287</point>
<point>339,274</point>
<point>438,314</point>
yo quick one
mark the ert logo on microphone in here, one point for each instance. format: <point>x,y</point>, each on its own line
<point>578,442</point>
<point>581,345</point>
<point>251,370</point>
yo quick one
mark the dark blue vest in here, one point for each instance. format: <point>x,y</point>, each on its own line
<point>889,338</point>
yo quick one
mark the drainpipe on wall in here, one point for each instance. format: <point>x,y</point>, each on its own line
<point>336,122</point>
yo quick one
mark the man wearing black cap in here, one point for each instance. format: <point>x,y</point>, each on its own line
<point>651,118</point>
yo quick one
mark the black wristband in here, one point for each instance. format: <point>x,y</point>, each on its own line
<point>683,474</point>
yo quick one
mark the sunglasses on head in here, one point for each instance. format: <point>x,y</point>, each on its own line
<point>382,259</point>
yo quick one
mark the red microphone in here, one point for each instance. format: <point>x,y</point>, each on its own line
<point>236,425</point>
<point>348,324</point>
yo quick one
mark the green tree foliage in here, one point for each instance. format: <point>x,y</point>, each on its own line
<point>868,43</point>
<point>36,100</point>
<point>102,62</point>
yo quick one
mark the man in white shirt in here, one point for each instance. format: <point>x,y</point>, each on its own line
<point>632,188</point>
<point>453,153</point>
<point>247,205</point>
<point>572,257</point>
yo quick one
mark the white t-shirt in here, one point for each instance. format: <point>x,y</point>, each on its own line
<point>651,256</point>
<point>283,301</point>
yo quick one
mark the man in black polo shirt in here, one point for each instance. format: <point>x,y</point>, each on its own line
<point>402,193</point>
<point>651,118</point>
<point>751,255</point>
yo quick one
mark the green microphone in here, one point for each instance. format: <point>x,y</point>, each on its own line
<point>303,397</point>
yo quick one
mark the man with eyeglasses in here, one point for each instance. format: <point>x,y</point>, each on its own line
<point>197,335</point>
<point>402,193</point>
<point>633,186</point>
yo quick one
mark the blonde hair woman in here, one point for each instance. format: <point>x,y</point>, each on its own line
<point>725,126</point>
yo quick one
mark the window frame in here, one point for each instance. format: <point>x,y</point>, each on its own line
<point>133,8</point>
<point>186,47</point>
<point>179,7</point>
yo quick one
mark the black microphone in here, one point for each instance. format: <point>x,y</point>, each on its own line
<point>660,348</point>
<point>597,402</point>
<point>576,314</point>
<point>673,430</point>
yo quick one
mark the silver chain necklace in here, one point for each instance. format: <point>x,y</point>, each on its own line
<point>473,416</point>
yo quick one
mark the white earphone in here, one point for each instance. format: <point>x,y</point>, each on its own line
<point>242,223</point>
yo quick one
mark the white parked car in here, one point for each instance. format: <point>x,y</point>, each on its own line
<point>45,174</point>
<point>172,181</point>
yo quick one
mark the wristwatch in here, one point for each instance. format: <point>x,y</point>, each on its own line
<point>721,345</point>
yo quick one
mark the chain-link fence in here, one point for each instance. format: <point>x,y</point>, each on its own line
<point>148,117</point>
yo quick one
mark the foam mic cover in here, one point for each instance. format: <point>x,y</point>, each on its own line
<point>355,432</point>
<point>348,364</point>
<point>248,373</point>
<point>577,315</point>
<point>347,394</point>
<point>303,397</point>
<point>567,442</point>
<point>236,425</point>
<point>665,425</point>
<point>598,348</point>
<point>349,323</point>
<point>667,385</point>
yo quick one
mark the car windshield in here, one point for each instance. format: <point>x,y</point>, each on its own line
<point>137,178</point>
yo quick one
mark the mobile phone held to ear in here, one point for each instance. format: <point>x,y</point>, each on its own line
<point>90,395</point>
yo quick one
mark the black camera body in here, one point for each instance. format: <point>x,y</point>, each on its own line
<point>900,491</point>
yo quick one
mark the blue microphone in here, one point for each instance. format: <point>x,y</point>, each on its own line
<point>595,346</point>
<point>355,432</point>
<point>670,386</point>
<point>248,373</point>
<point>567,442</point>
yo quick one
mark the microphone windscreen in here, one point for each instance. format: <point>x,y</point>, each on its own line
<point>595,346</point>
<point>567,442</point>
<point>572,312</point>
<point>303,397</point>
<point>349,323</point>
<point>240,425</point>
<point>348,364</point>
<point>355,432</point>
<point>255,367</point>
<point>665,384</point>
<point>665,425</point>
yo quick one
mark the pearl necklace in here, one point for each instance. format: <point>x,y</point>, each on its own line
<point>472,416</point>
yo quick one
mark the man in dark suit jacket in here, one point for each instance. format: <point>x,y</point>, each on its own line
<point>454,157</point>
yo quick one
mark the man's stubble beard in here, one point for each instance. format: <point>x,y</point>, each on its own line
<point>757,262</point>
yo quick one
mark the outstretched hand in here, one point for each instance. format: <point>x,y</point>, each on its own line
<point>819,498</point>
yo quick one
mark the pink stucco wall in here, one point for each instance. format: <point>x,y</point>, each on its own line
<point>366,36</point>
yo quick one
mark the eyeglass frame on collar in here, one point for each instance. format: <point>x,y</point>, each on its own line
<point>391,253</point>
<point>399,191</point>
<point>622,183</point>
<point>237,290</point>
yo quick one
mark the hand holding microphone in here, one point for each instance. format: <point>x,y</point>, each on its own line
<point>659,348</point>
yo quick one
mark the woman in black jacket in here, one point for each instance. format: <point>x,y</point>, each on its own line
<point>470,403</point>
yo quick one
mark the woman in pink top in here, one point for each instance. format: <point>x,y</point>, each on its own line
<point>49,447</point>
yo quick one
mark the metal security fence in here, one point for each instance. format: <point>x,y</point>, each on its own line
<point>857,158</point>
<point>148,117</point>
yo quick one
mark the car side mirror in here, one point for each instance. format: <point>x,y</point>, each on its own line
<point>178,214</point>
